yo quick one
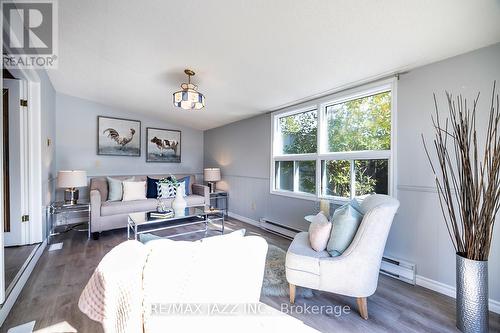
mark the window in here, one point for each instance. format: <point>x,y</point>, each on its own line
<point>340,147</point>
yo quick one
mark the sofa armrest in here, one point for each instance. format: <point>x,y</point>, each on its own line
<point>95,208</point>
<point>202,190</point>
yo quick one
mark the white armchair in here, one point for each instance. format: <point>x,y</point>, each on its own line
<point>355,272</point>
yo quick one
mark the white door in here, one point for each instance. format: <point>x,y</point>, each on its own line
<point>17,234</point>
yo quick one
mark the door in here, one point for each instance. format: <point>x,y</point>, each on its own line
<point>15,164</point>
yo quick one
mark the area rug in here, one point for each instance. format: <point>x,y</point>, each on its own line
<point>275,283</point>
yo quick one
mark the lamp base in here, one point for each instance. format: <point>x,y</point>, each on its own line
<point>71,196</point>
<point>211,187</point>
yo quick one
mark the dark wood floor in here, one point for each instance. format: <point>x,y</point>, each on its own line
<point>51,294</point>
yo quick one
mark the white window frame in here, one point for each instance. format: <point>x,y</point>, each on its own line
<point>322,154</point>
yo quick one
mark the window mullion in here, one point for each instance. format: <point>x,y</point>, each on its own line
<point>353,179</point>
<point>295,176</point>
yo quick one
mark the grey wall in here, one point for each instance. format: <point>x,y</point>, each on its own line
<point>242,150</point>
<point>48,132</point>
<point>418,235</point>
<point>76,142</point>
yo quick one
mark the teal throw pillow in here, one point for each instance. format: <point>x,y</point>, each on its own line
<point>115,188</point>
<point>346,220</point>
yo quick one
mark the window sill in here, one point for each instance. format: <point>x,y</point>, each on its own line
<point>296,195</point>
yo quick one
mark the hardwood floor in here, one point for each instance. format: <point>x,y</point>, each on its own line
<point>51,294</point>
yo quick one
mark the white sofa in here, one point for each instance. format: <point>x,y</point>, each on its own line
<point>107,215</point>
<point>355,272</point>
<point>135,286</point>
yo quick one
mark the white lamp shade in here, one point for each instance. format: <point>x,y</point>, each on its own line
<point>73,178</point>
<point>211,174</point>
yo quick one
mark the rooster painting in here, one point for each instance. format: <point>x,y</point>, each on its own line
<point>120,140</point>
<point>119,137</point>
<point>163,145</point>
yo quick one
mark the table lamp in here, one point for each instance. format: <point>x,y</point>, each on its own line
<point>70,180</point>
<point>211,175</point>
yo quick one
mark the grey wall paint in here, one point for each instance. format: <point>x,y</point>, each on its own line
<point>242,150</point>
<point>48,131</point>
<point>76,142</point>
<point>418,235</point>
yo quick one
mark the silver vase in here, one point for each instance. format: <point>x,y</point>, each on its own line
<point>472,295</point>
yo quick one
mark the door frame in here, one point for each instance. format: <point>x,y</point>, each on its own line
<point>36,211</point>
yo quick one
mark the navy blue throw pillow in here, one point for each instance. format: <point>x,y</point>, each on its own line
<point>152,188</point>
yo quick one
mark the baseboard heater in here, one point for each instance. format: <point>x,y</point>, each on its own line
<point>398,269</point>
<point>278,228</point>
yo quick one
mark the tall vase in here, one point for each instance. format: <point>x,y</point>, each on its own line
<point>179,203</point>
<point>472,295</point>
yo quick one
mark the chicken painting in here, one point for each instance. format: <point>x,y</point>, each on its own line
<point>119,139</point>
<point>164,144</point>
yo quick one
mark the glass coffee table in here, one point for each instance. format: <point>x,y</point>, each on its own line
<point>143,222</point>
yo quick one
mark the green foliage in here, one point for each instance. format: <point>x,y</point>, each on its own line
<point>299,133</point>
<point>360,124</point>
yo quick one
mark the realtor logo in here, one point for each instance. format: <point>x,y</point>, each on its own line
<point>29,34</point>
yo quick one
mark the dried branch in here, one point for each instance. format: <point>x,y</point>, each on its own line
<point>468,187</point>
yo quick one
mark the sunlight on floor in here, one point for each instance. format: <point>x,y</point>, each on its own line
<point>63,326</point>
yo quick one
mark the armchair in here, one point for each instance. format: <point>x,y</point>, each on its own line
<point>355,272</point>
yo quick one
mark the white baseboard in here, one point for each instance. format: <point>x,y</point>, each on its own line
<point>448,290</point>
<point>11,299</point>
<point>244,219</point>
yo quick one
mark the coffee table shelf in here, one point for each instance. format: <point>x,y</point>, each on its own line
<point>143,222</point>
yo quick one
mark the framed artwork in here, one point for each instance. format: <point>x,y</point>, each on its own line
<point>163,145</point>
<point>118,137</point>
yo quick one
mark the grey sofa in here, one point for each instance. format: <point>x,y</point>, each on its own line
<point>107,215</point>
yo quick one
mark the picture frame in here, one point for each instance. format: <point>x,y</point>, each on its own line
<point>118,136</point>
<point>163,145</point>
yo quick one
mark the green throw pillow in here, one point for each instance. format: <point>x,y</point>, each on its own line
<point>115,188</point>
<point>345,220</point>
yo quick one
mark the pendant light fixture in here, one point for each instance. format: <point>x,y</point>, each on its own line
<point>189,98</point>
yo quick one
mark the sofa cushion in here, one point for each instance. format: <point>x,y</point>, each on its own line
<point>302,257</point>
<point>125,207</point>
<point>115,188</point>
<point>134,191</point>
<point>152,188</point>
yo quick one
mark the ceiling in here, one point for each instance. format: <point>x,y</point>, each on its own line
<point>252,56</point>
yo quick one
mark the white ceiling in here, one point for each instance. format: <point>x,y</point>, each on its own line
<point>252,56</point>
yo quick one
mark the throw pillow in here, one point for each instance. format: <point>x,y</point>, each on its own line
<point>319,232</point>
<point>345,220</point>
<point>134,191</point>
<point>152,188</point>
<point>186,183</point>
<point>115,188</point>
<point>166,190</point>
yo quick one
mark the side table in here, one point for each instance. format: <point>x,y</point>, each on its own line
<point>60,208</point>
<point>220,200</point>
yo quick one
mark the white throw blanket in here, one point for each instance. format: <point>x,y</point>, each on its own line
<point>113,296</point>
<point>132,278</point>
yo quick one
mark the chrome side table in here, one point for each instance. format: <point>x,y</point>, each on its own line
<point>56,209</point>
<point>220,200</point>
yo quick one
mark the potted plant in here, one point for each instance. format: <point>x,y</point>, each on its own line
<point>468,184</point>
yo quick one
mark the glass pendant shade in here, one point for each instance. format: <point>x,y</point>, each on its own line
<point>188,98</point>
